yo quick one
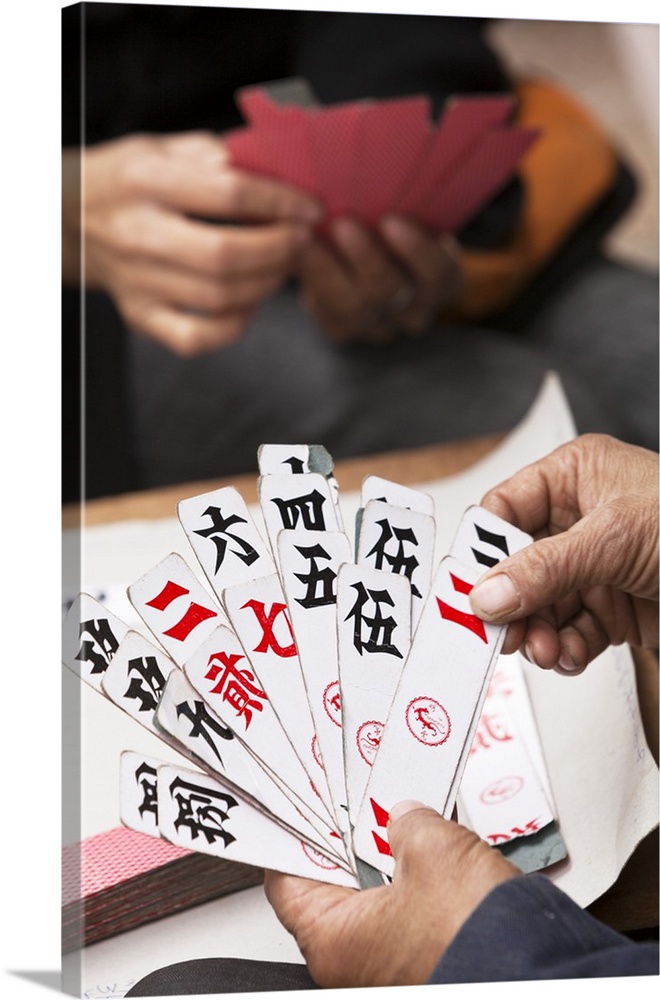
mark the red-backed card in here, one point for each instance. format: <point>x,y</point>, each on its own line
<point>280,150</point>
<point>393,135</point>
<point>463,120</point>
<point>334,134</point>
<point>480,175</point>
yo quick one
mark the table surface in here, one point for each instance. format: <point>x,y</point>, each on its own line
<point>632,902</point>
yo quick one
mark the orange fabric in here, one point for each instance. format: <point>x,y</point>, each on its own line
<point>565,173</point>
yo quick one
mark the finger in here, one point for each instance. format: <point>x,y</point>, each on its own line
<point>595,550</point>
<point>194,292</point>
<point>514,638</point>
<point>606,616</point>
<point>207,248</point>
<point>325,279</point>
<point>428,847</point>
<point>542,497</point>
<point>433,261</point>
<point>377,276</point>
<point>196,178</point>
<point>327,291</point>
<point>185,333</point>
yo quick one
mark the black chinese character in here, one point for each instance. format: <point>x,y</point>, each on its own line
<point>218,529</point>
<point>319,581</point>
<point>380,628</point>
<point>202,810</point>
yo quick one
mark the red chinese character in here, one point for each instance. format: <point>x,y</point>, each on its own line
<point>235,686</point>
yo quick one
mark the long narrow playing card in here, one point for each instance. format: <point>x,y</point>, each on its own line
<point>373,628</point>
<point>377,488</point>
<point>138,792</point>
<point>392,137</point>
<point>309,564</point>
<point>185,716</point>
<point>502,796</point>
<point>302,501</point>
<point>482,173</point>
<point>203,814</point>
<point>482,539</point>
<point>432,710</point>
<point>298,459</point>
<point>463,122</point>
<point>136,677</point>
<point>399,540</point>
<point>258,613</point>
<point>283,459</point>
<point>90,638</point>
<point>175,607</point>
<point>224,538</point>
<point>279,147</point>
<point>200,813</point>
<point>223,676</point>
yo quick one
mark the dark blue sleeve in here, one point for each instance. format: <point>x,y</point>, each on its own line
<point>528,929</point>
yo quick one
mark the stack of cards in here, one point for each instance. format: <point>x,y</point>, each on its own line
<point>368,158</point>
<point>309,683</point>
<point>119,879</point>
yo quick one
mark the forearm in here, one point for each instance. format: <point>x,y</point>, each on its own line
<point>528,929</point>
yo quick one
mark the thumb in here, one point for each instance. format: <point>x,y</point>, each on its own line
<point>412,828</point>
<point>550,569</point>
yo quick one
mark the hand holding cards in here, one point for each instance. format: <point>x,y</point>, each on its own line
<point>313,690</point>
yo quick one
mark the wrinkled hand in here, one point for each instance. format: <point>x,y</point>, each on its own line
<point>591,579</point>
<point>371,286</point>
<point>392,935</point>
<point>150,205</point>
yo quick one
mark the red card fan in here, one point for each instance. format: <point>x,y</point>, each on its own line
<point>368,158</point>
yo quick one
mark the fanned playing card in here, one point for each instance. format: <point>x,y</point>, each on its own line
<point>223,677</point>
<point>373,629</point>
<point>212,745</point>
<point>464,121</point>
<point>431,714</point>
<point>91,635</point>
<point>309,564</point>
<point>193,810</point>
<point>259,615</point>
<point>175,607</point>
<point>392,137</point>
<point>224,538</point>
<point>303,502</point>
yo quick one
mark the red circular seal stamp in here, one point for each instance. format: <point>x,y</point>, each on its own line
<point>368,739</point>
<point>316,753</point>
<point>428,721</point>
<point>502,789</point>
<point>332,703</point>
<point>317,858</point>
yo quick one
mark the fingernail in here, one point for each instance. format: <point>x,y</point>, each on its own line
<point>529,654</point>
<point>309,211</point>
<point>567,665</point>
<point>393,226</point>
<point>496,597</point>
<point>403,807</point>
<point>345,229</point>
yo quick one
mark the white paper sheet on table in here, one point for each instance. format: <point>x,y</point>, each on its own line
<point>605,807</point>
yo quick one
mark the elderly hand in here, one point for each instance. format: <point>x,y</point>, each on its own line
<point>370,286</point>
<point>392,935</point>
<point>150,208</point>
<point>591,579</point>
